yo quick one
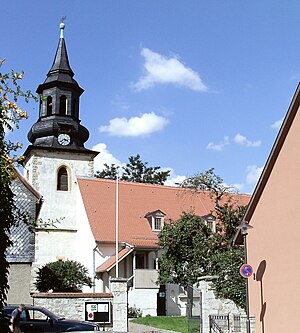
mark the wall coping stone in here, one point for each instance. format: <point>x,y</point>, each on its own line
<point>72,295</point>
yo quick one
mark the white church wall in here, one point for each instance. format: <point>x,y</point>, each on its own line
<point>70,237</point>
<point>43,169</point>
<point>85,242</point>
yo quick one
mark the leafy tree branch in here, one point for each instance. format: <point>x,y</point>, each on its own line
<point>10,116</point>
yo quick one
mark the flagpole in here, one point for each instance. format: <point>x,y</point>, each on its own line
<point>117,225</point>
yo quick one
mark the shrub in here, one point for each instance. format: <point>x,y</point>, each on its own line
<point>134,312</point>
<point>62,276</point>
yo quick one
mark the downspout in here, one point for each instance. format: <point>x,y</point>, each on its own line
<point>95,249</point>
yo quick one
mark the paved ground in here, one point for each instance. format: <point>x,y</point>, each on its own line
<point>138,328</point>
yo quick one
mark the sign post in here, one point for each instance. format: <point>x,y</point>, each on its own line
<point>246,270</point>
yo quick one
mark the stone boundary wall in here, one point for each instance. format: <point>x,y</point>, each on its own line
<point>72,305</point>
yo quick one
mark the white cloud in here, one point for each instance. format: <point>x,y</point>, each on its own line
<point>243,141</point>
<point>105,156</point>
<point>253,174</point>
<point>167,70</point>
<point>218,146</point>
<point>136,126</point>
<point>173,179</point>
<point>239,187</point>
<point>277,124</point>
<point>233,188</point>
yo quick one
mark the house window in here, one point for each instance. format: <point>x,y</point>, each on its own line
<point>63,105</point>
<point>62,179</point>
<point>157,223</point>
<point>156,220</point>
<point>49,106</point>
<point>211,224</point>
<point>140,262</point>
<point>210,221</point>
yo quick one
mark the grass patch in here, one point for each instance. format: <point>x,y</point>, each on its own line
<point>177,324</point>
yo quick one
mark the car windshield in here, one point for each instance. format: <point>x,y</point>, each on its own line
<point>49,314</point>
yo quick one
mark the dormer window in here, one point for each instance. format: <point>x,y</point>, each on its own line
<point>210,221</point>
<point>156,220</point>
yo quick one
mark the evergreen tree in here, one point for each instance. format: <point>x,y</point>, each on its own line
<point>135,171</point>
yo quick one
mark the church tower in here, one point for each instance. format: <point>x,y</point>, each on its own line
<point>56,157</point>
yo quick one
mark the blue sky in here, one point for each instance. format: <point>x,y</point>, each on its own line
<point>187,84</point>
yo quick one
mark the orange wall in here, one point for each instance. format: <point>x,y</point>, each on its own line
<point>275,239</point>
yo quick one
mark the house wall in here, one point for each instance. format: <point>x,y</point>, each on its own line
<point>85,243</point>
<point>19,283</point>
<point>273,243</point>
<point>20,254</point>
<point>143,299</point>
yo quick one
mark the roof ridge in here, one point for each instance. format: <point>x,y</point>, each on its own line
<point>124,182</point>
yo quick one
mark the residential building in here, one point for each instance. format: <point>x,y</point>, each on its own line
<point>21,254</point>
<point>273,243</point>
<point>142,211</point>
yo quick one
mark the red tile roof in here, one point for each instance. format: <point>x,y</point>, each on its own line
<point>110,263</point>
<point>136,200</point>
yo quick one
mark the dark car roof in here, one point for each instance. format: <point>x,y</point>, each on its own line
<point>9,308</point>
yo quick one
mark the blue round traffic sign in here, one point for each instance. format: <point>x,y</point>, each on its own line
<point>246,270</point>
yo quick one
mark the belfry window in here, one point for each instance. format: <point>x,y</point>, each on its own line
<point>63,105</point>
<point>74,112</point>
<point>49,106</point>
<point>62,179</point>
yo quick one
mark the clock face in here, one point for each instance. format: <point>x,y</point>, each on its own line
<point>64,139</point>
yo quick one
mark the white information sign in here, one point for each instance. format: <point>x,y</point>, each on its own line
<point>91,307</point>
<point>102,307</point>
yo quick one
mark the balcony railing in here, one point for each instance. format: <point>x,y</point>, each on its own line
<point>145,278</point>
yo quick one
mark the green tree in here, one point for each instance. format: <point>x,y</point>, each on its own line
<point>205,253</point>
<point>135,171</point>
<point>109,172</point>
<point>10,115</point>
<point>62,276</point>
<point>186,250</point>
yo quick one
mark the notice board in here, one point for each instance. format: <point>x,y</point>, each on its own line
<point>98,311</point>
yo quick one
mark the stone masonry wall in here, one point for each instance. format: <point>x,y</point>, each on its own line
<point>72,305</point>
<point>69,305</point>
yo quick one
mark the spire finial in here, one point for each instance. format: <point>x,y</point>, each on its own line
<point>62,26</point>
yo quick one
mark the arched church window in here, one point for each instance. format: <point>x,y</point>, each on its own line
<point>49,105</point>
<point>63,105</point>
<point>62,179</point>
